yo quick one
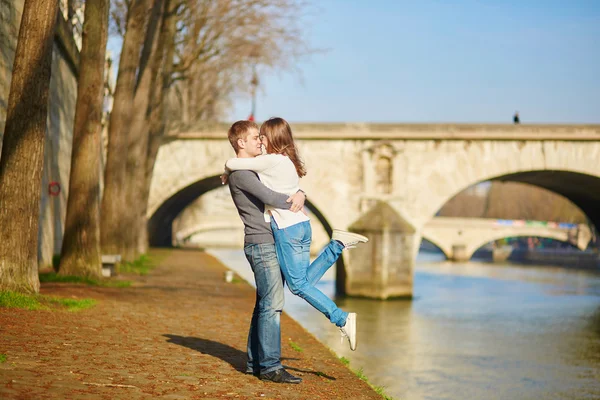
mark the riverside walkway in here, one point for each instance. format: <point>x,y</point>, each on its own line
<point>177,333</point>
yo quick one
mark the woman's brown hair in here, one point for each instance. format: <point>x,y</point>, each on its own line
<point>281,141</point>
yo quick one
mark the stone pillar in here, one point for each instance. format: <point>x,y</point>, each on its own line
<point>584,236</point>
<point>501,254</point>
<point>459,253</point>
<point>383,267</point>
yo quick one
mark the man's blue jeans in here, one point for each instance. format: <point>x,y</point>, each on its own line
<point>264,337</point>
<point>293,252</point>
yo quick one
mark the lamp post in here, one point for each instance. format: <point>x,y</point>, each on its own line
<point>253,86</point>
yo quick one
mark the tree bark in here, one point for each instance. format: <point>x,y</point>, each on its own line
<point>158,119</point>
<point>138,134</point>
<point>80,255</point>
<point>21,162</point>
<point>113,210</point>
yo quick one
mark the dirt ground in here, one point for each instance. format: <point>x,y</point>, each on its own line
<point>177,333</point>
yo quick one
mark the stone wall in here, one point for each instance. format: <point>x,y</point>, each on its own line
<point>57,155</point>
<point>61,114</point>
<point>10,18</point>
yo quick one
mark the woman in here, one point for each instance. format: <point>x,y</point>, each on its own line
<point>280,170</point>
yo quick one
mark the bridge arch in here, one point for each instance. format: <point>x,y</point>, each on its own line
<point>582,189</point>
<point>473,247</point>
<point>439,244</point>
<point>160,224</point>
<point>459,238</point>
<point>182,236</point>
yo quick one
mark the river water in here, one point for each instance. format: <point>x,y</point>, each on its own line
<point>473,331</point>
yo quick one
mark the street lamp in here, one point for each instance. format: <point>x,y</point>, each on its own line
<point>253,86</point>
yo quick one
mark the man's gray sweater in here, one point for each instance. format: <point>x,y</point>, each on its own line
<point>250,196</point>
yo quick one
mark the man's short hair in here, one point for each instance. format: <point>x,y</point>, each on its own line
<point>240,130</point>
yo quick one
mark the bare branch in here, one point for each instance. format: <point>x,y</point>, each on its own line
<point>219,43</point>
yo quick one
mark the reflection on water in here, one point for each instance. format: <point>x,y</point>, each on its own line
<point>473,331</point>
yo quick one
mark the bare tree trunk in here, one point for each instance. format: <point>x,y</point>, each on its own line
<point>23,148</point>
<point>80,255</point>
<point>138,135</point>
<point>157,117</point>
<point>113,233</point>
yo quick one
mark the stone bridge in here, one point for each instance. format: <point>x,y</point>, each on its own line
<point>457,238</point>
<point>388,181</point>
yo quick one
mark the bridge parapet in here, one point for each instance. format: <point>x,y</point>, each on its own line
<point>392,131</point>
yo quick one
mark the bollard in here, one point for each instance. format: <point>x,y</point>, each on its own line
<point>108,264</point>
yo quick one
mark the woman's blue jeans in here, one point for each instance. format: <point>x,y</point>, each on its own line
<point>293,252</point>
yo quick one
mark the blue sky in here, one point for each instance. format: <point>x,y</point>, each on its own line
<point>442,61</point>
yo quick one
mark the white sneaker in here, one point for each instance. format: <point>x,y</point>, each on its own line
<point>348,239</point>
<point>349,330</point>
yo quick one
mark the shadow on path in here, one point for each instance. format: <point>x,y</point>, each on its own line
<point>235,357</point>
<point>310,371</point>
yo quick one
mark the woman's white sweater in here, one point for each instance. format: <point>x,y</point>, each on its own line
<point>278,173</point>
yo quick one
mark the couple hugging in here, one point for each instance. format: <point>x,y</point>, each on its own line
<point>277,236</point>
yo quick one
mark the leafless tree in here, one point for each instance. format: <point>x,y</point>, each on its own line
<point>113,209</point>
<point>80,253</point>
<point>221,43</point>
<point>205,51</point>
<point>512,200</point>
<point>23,147</point>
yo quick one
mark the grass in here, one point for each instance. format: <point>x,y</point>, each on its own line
<point>17,300</point>
<point>54,277</point>
<point>141,266</point>
<point>73,304</point>
<point>296,347</point>
<point>380,390</point>
<point>10,299</point>
<point>361,375</point>
<point>2,358</point>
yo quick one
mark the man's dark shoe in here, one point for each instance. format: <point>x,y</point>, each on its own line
<point>280,376</point>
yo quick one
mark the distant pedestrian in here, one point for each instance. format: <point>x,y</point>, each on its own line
<point>516,119</point>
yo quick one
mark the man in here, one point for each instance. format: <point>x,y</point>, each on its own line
<point>250,197</point>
